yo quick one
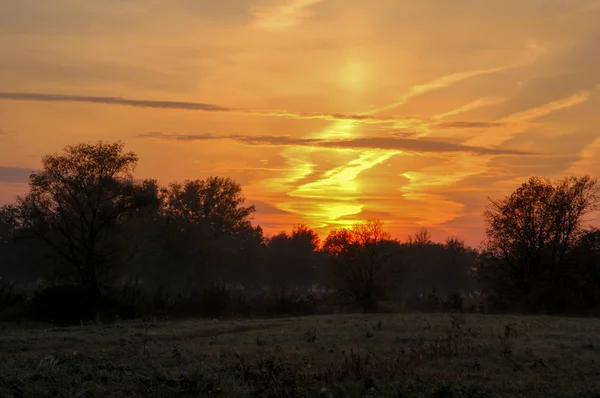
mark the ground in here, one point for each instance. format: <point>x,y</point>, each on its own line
<point>436,355</point>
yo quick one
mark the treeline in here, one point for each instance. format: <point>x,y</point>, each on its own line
<point>90,241</point>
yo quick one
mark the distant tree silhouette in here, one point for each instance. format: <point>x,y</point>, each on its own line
<point>207,231</point>
<point>530,235</point>
<point>215,203</point>
<point>430,266</point>
<point>78,204</point>
<point>361,262</point>
<point>585,266</point>
<point>294,261</point>
<point>421,237</point>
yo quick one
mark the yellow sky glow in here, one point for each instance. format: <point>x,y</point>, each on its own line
<point>328,112</point>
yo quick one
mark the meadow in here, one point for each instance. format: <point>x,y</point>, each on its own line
<point>435,355</point>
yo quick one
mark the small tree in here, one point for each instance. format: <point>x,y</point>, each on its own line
<point>530,235</point>
<point>361,262</point>
<point>78,205</point>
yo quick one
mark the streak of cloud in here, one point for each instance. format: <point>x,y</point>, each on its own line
<point>382,143</point>
<point>470,125</point>
<point>521,121</point>
<point>113,101</point>
<point>588,161</point>
<point>478,103</point>
<point>196,106</point>
<point>436,84</point>
<point>280,14</point>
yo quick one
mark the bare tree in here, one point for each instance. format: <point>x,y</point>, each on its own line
<point>422,237</point>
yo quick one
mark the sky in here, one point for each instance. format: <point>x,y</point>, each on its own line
<point>327,112</point>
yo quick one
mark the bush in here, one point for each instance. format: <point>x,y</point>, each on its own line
<point>65,305</point>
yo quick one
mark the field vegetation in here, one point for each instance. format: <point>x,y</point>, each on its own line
<point>436,355</point>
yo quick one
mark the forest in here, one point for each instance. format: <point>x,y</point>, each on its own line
<point>90,242</point>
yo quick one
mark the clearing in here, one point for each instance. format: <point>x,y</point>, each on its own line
<point>438,355</point>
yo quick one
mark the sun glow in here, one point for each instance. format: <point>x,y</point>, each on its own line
<point>354,76</point>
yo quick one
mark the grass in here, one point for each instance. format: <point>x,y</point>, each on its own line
<point>327,356</point>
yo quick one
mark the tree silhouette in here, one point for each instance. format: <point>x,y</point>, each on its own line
<point>78,204</point>
<point>293,261</point>
<point>529,237</point>
<point>209,230</point>
<point>422,237</point>
<point>361,262</point>
<point>216,203</point>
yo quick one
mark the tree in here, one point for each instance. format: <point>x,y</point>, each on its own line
<point>361,262</point>
<point>585,260</point>
<point>78,205</point>
<point>210,229</point>
<point>293,260</point>
<point>530,235</point>
<point>421,238</point>
<point>215,203</point>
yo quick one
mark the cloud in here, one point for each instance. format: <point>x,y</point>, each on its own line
<point>197,106</point>
<point>436,84</point>
<point>476,104</point>
<point>588,159</point>
<point>383,143</point>
<point>14,174</point>
<point>521,121</point>
<point>113,101</point>
<point>470,125</point>
<point>280,14</point>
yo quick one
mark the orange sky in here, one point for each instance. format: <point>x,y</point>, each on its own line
<point>326,111</point>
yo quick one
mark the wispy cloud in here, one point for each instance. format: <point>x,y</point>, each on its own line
<point>436,84</point>
<point>412,122</point>
<point>198,106</point>
<point>280,14</point>
<point>470,125</point>
<point>113,101</point>
<point>521,121</point>
<point>478,103</point>
<point>382,143</point>
<point>588,161</point>
<point>548,108</point>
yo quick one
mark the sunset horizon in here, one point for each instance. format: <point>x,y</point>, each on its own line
<point>326,112</point>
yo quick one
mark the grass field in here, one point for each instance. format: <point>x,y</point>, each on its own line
<point>327,356</point>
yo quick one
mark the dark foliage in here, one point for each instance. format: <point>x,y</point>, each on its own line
<point>114,247</point>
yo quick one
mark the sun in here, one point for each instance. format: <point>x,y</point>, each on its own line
<point>354,75</point>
